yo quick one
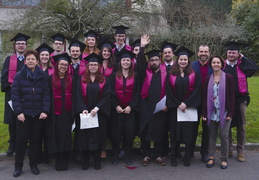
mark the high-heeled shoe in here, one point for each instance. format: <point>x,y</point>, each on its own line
<point>209,165</point>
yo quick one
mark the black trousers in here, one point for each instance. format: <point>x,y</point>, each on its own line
<point>28,132</point>
<point>12,134</point>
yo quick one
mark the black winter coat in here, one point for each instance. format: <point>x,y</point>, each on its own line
<point>30,96</point>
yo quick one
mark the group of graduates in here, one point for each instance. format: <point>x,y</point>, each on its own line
<point>47,89</point>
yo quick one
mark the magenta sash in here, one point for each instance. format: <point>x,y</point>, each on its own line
<point>172,80</point>
<point>12,68</point>
<point>84,89</point>
<point>107,72</point>
<point>147,81</point>
<point>57,95</point>
<point>124,95</point>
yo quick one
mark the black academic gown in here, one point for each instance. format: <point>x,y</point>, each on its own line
<point>182,131</point>
<point>123,124</point>
<point>249,68</point>
<point>152,126</point>
<point>6,87</point>
<point>59,126</point>
<point>92,139</point>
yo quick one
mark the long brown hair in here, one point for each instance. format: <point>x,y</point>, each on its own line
<point>176,69</point>
<point>119,71</point>
<point>111,59</point>
<point>56,78</point>
<point>98,76</point>
<point>49,64</point>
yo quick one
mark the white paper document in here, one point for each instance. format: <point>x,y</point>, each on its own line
<point>190,115</point>
<point>10,104</point>
<point>87,121</point>
<point>160,105</point>
<point>73,126</point>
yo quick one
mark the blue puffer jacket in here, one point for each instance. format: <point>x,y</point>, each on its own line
<point>30,96</point>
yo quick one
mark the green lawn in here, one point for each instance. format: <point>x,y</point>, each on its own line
<point>252,118</point>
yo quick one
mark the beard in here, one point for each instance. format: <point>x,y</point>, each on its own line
<point>154,68</point>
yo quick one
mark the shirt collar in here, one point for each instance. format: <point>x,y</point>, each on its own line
<point>231,64</point>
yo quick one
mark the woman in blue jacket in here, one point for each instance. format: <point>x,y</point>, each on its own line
<point>31,104</point>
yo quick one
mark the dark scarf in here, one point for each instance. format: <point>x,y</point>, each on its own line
<point>32,75</point>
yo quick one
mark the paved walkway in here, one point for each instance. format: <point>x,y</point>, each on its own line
<point>236,170</point>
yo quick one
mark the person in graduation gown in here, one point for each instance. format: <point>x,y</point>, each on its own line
<point>182,92</point>
<point>120,39</point>
<point>152,125</point>
<point>31,104</point>
<point>108,64</point>
<point>12,65</point>
<point>59,126</point>
<point>45,64</point>
<point>240,67</point>
<point>91,43</point>
<point>135,47</point>
<point>218,103</point>
<point>59,45</point>
<point>76,69</point>
<point>125,96</point>
<point>93,97</point>
<point>45,61</point>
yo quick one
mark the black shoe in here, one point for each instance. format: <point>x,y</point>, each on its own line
<point>115,160</point>
<point>178,154</point>
<point>64,166</point>
<point>224,166</point>
<point>35,170</point>
<point>187,162</point>
<point>210,165</point>
<point>97,164</point>
<point>173,162</point>
<point>10,151</point>
<point>128,161</point>
<point>17,172</point>
<point>85,165</point>
<point>205,158</point>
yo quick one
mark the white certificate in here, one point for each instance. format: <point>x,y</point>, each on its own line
<point>190,115</point>
<point>87,121</point>
<point>10,104</point>
<point>160,105</point>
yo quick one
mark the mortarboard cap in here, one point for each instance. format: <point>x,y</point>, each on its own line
<point>92,33</point>
<point>58,37</point>
<point>233,45</point>
<point>120,29</point>
<point>93,58</point>
<point>135,43</point>
<point>20,37</point>
<point>105,43</point>
<point>44,47</point>
<point>153,53</point>
<point>183,51</point>
<point>167,44</point>
<point>63,56</point>
<point>75,42</point>
<point>126,54</point>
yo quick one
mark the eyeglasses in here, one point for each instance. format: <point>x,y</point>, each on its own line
<point>20,44</point>
<point>58,44</point>
<point>63,65</point>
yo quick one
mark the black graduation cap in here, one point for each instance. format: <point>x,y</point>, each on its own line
<point>20,37</point>
<point>44,47</point>
<point>167,44</point>
<point>135,43</point>
<point>233,45</point>
<point>120,29</point>
<point>153,53</point>
<point>93,58</point>
<point>126,54</point>
<point>75,42</point>
<point>105,43</point>
<point>92,33</point>
<point>58,37</point>
<point>63,56</point>
<point>183,51</point>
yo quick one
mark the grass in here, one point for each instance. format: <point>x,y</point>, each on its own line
<point>252,127</point>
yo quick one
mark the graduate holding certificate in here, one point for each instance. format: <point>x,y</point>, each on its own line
<point>182,93</point>
<point>92,97</point>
